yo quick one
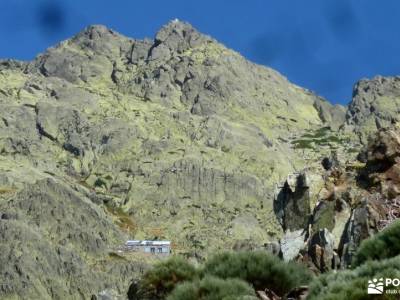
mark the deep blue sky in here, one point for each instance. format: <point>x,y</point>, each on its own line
<point>323,45</point>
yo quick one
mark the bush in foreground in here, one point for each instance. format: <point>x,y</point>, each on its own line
<point>260,269</point>
<point>159,281</point>
<point>385,244</point>
<point>353,284</point>
<point>213,288</point>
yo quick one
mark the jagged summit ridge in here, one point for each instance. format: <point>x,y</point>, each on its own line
<point>179,63</point>
<point>174,37</point>
<point>180,36</point>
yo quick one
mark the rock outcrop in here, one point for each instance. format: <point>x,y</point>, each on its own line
<point>291,244</point>
<point>356,202</point>
<point>375,105</point>
<point>292,204</point>
<point>321,250</point>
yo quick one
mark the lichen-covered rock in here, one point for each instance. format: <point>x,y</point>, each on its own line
<point>56,244</point>
<point>363,223</point>
<point>179,132</point>
<point>324,216</point>
<point>333,115</point>
<point>375,105</point>
<point>321,250</point>
<point>293,204</point>
<point>383,163</point>
<point>104,137</point>
<point>292,243</point>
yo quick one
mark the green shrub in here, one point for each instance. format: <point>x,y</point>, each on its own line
<point>260,269</point>
<point>353,284</point>
<point>212,288</point>
<point>100,183</point>
<point>385,244</point>
<point>303,144</point>
<point>159,281</point>
<point>321,132</point>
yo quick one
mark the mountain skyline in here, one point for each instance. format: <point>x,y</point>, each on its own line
<point>325,47</point>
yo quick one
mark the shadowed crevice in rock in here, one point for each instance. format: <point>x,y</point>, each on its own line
<point>292,204</point>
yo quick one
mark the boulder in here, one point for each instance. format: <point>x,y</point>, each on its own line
<point>383,163</point>
<point>291,244</point>
<point>332,215</point>
<point>363,223</point>
<point>321,250</point>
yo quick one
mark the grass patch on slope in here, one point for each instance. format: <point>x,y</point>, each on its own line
<point>321,137</point>
<point>123,220</point>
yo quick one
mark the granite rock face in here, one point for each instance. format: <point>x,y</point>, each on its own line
<point>321,250</point>
<point>291,244</point>
<point>363,223</point>
<point>104,138</point>
<point>293,204</point>
<point>375,105</point>
<point>356,201</point>
<point>382,163</point>
<point>56,245</point>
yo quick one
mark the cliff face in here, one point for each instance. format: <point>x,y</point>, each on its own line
<point>356,201</point>
<point>104,138</point>
<point>375,105</point>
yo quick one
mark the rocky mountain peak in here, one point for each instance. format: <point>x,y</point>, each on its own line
<point>175,37</point>
<point>96,31</point>
<point>99,39</point>
<point>179,36</point>
<point>375,105</point>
